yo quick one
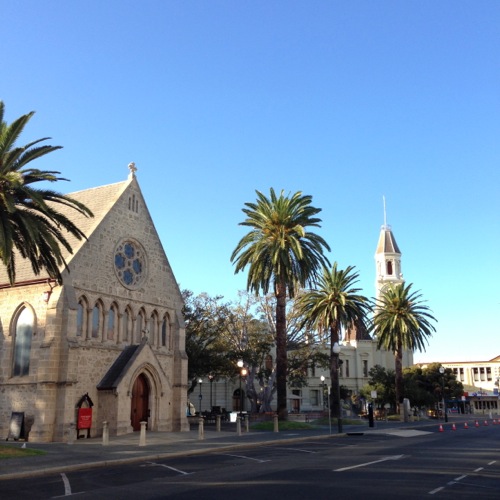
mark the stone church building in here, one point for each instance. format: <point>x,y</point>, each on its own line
<point>109,340</point>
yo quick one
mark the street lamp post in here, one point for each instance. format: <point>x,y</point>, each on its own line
<point>211,377</point>
<point>243,373</point>
<point>336,355</point>
<point>327,404</point>
<point>322,378</point>
<point>441,371</point>
<point>200,381</point>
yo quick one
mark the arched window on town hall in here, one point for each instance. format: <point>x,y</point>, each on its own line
<point>389,267</point>
<point>24,328</point>
<point>81,318</point>
<point>269,362</point>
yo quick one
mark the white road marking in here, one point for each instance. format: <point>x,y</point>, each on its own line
<point>246,458</point>
<point>436,490</point>
<point>154,464</point>
<point>292,449</point>
<point>406,433</point>
<point>393,457</point>
<point>460,478</point>
<point>492,462</point>
<point>479,469</point>
<point>67,486</point>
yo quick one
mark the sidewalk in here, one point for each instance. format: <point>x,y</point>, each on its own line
<point>90,453</point>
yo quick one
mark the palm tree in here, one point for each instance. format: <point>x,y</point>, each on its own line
<point>281,253</point>
<point>402,321</point>
<point>335,305</point>
<point>29,220</point>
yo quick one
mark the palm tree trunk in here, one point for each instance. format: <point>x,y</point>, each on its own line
<point>334,371</point>
<point>281,353</point>
<point>399,376</point>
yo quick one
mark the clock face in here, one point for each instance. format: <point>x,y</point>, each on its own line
<point>130,263</point>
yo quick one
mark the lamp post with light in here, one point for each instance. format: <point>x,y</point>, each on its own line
<point>200,381</point>
<point>322,378</point>
<point>338,362</point>
<point>441,371</point>
<point>243,373</point>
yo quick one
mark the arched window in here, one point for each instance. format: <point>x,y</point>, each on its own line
<point>153,321</point>
<point>165,327</point>
<point>96,321</point>
<point>269,362</point>
<point>127,321</point>
<point>110,335</point>
<point>139,327</point>
<point>24,327</point>
<point>79,320</point>
<point>389,267</point>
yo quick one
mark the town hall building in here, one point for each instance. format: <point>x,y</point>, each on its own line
<point>109,342</point>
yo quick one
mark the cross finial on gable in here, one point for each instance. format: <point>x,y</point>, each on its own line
<point>132,168</point>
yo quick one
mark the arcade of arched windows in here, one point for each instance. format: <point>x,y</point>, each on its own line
<point>111,325</point>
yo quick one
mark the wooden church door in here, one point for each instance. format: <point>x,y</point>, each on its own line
<point>140,402</point>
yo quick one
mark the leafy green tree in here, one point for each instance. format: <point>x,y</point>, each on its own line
<point>424,386</point>
<point>249,337</point>
<point>282,255</point>
<point>402,321</point>
<point>219,334</point>
<point>30,221</point>
<point>334,305</point>
<point>208,352</point>
<point>418,387</point>
<point>453,389</point>
<point>382,381</point>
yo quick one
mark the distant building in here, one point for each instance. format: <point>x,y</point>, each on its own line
<point>111,338</point>
<point>481,380</point>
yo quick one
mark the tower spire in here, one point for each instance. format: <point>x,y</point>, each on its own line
<point>387,257</point>
<point>385,212</point>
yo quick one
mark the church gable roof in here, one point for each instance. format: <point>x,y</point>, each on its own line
<point>99,200</point>
<point>130,359</point>
<point>117,369</point>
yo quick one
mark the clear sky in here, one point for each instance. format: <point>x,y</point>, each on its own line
<point>347,101</point>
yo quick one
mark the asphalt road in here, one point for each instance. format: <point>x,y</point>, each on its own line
<point>409,465</point>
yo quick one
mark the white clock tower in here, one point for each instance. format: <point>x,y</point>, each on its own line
<point>387,260</point>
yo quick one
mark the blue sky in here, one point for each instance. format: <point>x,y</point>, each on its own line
<point>347,101</point>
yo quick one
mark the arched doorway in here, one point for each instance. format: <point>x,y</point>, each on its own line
<point>139,410</point>
<point>239,400</point>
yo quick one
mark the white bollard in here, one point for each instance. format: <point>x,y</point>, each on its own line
<point>71,434</point>
<point>247,423</point>
<point>217,423</point>
<point>276,427</point>
<point>238,426</point>
<point>142,437</point>
<point>105,434</point>
<point>201,428</point>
